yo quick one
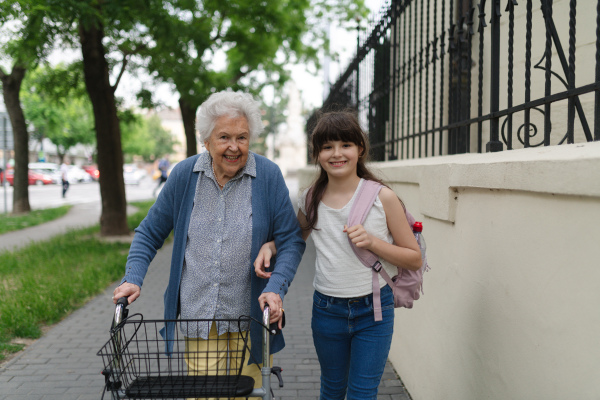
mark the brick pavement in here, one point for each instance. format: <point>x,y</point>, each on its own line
<point>62,365</point>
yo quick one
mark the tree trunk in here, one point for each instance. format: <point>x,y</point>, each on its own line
<point>11,86</point>
<point>113,220</point>
<point>188,115</point>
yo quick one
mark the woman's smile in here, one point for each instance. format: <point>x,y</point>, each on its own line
<point>229,158</point>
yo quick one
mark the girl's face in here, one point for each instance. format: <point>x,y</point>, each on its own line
<point>339,159</point>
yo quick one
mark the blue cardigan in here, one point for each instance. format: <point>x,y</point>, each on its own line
<point>273,218</point>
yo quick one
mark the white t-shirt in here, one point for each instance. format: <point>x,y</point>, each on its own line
<point>339,273</point>
<point>64,172</point>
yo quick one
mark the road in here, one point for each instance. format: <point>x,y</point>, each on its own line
<point>50,196</point>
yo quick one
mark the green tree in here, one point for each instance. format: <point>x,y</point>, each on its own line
<point>108,32</point>
<point>25,39</point>
<point>254,40</point>
<point>56,104</point>
<point>275,115</point>
<point>257,40</point>
<point>145,137</point>
<point>94,18</point>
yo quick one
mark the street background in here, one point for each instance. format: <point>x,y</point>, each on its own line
<point>49,196</point>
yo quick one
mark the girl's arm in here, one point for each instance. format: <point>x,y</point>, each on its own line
<point>303,222</point>
<point>404,252</point>
<point>268,250</point>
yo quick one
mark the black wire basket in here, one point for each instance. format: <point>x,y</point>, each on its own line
<point>137,365</point>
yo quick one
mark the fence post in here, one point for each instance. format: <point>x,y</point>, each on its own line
<point>597,93</point>
<point>495,144</point>
<point>357,64</point>
<point>5,150</point>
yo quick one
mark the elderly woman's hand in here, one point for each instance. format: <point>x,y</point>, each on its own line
<point>128,290</point>
<point>263,260</point>
<point>273,300</point>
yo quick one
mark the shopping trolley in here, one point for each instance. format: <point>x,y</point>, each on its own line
<point>137,365</point>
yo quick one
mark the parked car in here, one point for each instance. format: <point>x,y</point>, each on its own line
<point>92,170</point>
<point>78,175</point>
<point>34,177</point>
<point>132,175</point>
<point>48,168</point>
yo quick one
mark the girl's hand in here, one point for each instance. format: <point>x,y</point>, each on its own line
<point>359,236</point>
<point>263,259</point>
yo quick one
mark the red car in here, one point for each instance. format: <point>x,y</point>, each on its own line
<point>92,170</point>
<point>34,177</point>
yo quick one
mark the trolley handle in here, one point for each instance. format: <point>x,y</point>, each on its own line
<point>121,311</point>
<point>272,328</point>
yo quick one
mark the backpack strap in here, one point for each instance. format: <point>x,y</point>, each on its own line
<point>365,198</point>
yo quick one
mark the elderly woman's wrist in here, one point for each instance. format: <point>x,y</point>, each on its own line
<point>278,289</point>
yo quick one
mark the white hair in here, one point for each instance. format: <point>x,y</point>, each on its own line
<point>232,104</point>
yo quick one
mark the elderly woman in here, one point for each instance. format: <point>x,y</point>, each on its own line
<point>222,205</point>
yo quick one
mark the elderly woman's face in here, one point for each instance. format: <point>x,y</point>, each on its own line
<point>228,145</point>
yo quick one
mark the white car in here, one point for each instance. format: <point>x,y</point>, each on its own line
<point>132,175</point>
<point>78,175</point>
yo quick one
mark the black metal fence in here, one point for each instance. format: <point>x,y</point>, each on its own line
<point>435,77</point>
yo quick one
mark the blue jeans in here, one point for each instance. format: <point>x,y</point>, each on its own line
<point>352,347</point>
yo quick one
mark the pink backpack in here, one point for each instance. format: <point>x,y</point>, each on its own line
<point>407,285</point>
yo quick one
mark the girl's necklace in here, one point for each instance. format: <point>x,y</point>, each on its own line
<point>215,174</point>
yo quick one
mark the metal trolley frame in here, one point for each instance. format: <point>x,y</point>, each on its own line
<point>137,366</point>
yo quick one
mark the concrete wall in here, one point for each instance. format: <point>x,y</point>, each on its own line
<point>510,309</point>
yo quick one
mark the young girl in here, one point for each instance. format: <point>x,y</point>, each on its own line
<point>352,347</point>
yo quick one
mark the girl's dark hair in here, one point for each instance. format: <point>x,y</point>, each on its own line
<point>332,126</point>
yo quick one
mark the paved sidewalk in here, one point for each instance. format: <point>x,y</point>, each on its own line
<point>63,363</point>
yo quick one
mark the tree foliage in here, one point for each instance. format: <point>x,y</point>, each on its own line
<point>25,39</point>
<point>275,114</point>
<point>56,105</point>
<point>108,32</point>
<point>206,46</point>
<point>145,137</point>
<point>198,46</point>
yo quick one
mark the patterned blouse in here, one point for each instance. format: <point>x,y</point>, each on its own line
<point>215,281</point>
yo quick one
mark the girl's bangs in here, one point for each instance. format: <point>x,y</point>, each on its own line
<point>331,134</point>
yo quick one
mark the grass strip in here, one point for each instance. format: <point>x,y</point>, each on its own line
<point>45,281</point>
<point>10,223</point>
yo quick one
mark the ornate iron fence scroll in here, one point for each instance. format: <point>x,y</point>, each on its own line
<point>435,77</point>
